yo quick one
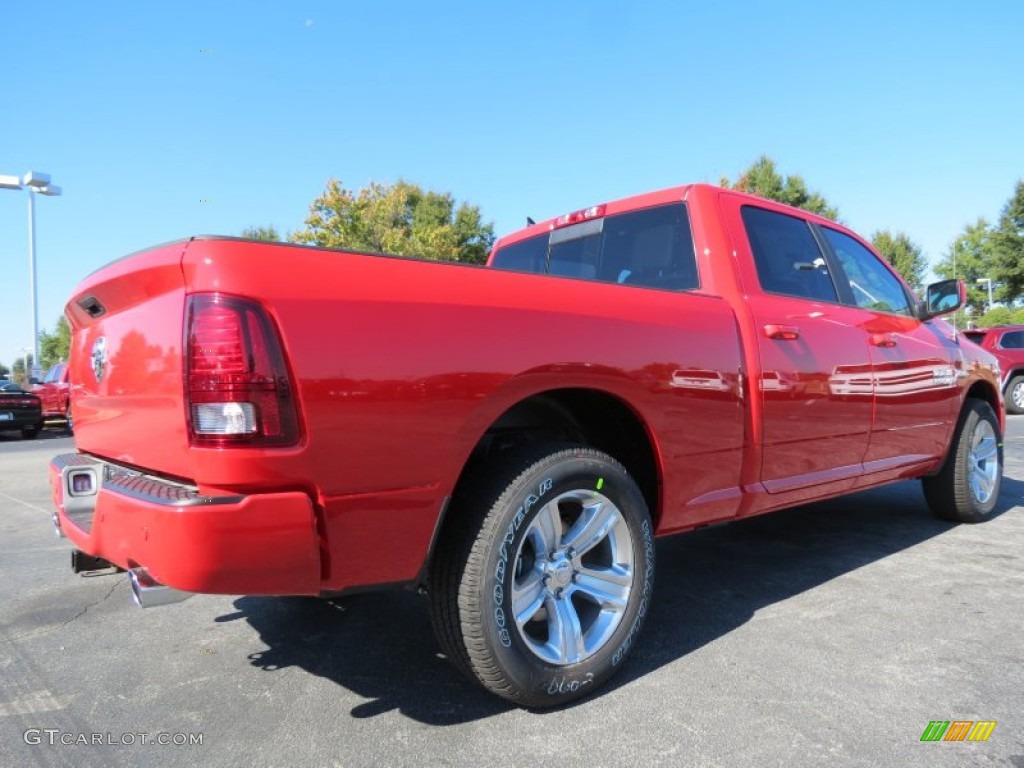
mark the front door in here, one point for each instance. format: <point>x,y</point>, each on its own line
<point>916,366</point>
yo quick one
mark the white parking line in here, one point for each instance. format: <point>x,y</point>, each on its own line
<point>46,512</point>
<point>30,704</point>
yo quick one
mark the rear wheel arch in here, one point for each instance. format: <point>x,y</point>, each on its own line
<point>579,415</point>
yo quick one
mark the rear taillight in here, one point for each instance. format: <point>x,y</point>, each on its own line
<point>236,381</point>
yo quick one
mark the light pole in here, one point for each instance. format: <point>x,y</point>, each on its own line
<point>36,183</point>
<point>25,352</point>
<point>988,282</point>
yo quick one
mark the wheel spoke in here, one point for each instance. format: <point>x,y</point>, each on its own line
<point>982,484</point>
<point>565,638</point>
<point>528,597</point>
<point>547,529</point>
<point>1017,395</point>
<point>592,527</point>
<point>608,587</point>
<point>985,449</point>
<point>575,568</point>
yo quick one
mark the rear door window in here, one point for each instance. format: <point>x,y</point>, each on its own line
<point>652,247</point>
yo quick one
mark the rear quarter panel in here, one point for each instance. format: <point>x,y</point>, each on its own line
<point>403,364</point>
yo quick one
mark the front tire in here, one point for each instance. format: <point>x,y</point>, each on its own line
<point>540,591</point>
<point>967,488</point>
<point>1015,395</point>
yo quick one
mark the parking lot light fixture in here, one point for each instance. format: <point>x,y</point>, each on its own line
<point>35,179</point>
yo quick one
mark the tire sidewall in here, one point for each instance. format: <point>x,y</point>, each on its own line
<point>521,503</point>
<point>978,414</point>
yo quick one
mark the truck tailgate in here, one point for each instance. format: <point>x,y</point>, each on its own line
<point>127,393</point>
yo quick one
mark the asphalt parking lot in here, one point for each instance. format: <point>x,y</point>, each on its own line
<point>833,633</point>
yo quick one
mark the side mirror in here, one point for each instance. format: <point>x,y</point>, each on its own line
<point>34,380</point>
<point>942,297</point>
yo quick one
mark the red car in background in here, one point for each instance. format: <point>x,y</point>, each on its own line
<point>55,394</point>
<point>1006,342</point>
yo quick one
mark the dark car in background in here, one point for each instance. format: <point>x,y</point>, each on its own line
<point>20,410</point>
<point>1006,342</point>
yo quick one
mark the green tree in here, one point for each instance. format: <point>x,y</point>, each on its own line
<point>1008,247</point>
<point>54,347</point>
<point>4,371</point>
<point>974,253</point>
<point>398,218</point>
<point>1001,316</point>
<point>269,234</point>
<point>763,178</point>
<point>904,254</point>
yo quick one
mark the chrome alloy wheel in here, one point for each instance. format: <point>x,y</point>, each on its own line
<point>983,462</point>
<point>1017,395</point>
<point>573,576</point>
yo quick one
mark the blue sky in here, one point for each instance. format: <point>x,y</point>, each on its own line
<point>907,116</point>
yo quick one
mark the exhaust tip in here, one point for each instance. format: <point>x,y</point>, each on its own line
<point>147,592</point>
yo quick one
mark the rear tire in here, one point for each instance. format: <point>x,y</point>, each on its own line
<point>1015,395</point>
<point>967,488</point>
<point>31,433</point>
<point>70,425</point>
<point>544,574</point>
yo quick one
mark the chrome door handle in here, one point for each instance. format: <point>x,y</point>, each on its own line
<point>781,332</point>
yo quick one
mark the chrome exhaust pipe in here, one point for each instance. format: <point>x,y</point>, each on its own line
<point>149,593</point>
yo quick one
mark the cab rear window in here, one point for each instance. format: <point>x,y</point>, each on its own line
<point>652,247</point>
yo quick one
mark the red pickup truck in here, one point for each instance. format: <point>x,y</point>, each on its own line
<point>55,393</point>
<point>1006,343</point>
<point>272,419</point>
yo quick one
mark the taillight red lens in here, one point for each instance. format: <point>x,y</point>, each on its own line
<point>237,383</point>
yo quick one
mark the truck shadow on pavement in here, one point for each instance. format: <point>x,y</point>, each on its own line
<point>709,582</point>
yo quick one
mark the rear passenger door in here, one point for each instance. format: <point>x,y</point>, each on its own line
<point>809,359</point>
